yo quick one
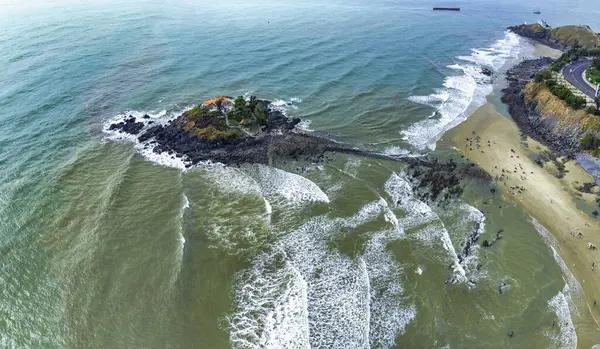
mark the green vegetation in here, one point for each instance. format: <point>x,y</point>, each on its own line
<point>593,72</point>
<point>248,111</point>
<point>573,55</point>
<point>560,91</point>
<point>563,92</point>
<point>213,122</point>
<point>589,142</point>
<point>543,75</point>
<point>592,144</point>
<point>575,36</point>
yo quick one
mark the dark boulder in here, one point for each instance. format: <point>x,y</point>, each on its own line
<point>128,126</point>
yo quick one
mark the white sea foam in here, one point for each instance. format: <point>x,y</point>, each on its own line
<point>497,55</point>
<point>566,337</point>
<point>283,105</point>
<point>186,206</point>
<point>304,125</point>
<point>292,188</point>
<point>232,180</point>
<point>351,166</point>
<point>430,231</point>
<point>465,232</point>
<point>302,293</point>
<point>396,151</point>
<point>268,208</point>
<point>575,293</point>
<point>146,148</point>
<point>564,304</point>
<point>389,317</point>
<point>461,93</point>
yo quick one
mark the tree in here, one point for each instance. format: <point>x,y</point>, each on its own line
<point>597,101</point>
<point>252,103</point>
<point>596,63</point>
<point>239,103</point>
<point>240,110</point>
<point>261,115</point>
<point>543,75</point>
<point>589,142</point>
<point>219,105</point>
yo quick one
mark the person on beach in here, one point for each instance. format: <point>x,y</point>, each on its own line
<point>592,266</point>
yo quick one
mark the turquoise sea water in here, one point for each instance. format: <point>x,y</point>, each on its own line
<point>103,246</point>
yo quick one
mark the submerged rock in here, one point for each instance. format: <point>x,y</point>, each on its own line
<point>486,71</point>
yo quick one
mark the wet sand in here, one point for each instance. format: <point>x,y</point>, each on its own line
<point>542,50</point>
<point>551,201</point>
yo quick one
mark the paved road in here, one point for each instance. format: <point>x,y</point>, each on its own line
<point>573,71</point>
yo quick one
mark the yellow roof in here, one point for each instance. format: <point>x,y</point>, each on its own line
<point>214,100</point>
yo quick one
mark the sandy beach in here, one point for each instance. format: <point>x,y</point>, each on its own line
<point>541,50</point>
<point>498,147</point>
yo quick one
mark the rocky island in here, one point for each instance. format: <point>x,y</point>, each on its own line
<point>229,131</point>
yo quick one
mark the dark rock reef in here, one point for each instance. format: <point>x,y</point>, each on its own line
<point>252,132</point>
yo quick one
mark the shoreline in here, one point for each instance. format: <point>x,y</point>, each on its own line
<point>541,195</point>
<point>544,197</point>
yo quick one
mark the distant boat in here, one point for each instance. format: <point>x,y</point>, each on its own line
<point>446,8</point>
<point>537,12</point>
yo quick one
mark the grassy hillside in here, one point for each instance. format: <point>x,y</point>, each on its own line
<point>575,35</point>
<point>561,37</point>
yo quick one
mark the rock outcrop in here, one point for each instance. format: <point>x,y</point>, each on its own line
<point>543,126</point>
<point>561,38</point>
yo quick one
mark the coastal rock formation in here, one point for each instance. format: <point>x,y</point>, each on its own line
<point>253,133</point>
<point>546,126</point>
<point>561,38</point>
<point>206,134</point>
<point>128,126</point>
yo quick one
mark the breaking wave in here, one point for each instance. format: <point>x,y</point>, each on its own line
<point>304,293</point>
<point>564,304</point>
<point>461,93</point>
<point>566,336</point>
<point>146,148</point>
<point>430,231</point>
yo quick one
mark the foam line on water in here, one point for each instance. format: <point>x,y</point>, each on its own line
<point>564,304</point>
<point>419,214</point>
<point>345,305</point>
<point>146,148</point>
<point>566,337</point>
<point>384,272</point>
<point>290,187</point>
<point>575,293</point>
<point>462,92</point>
<point>466,231</point>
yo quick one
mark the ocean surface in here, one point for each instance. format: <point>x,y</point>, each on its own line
<point>104,245</point>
